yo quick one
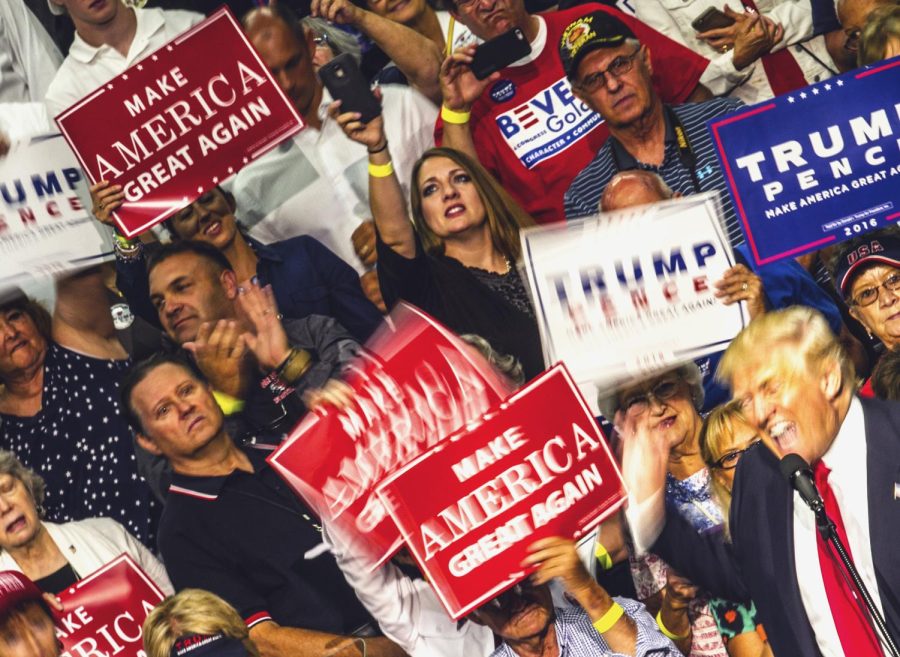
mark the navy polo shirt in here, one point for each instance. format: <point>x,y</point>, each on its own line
<point>250,540</point>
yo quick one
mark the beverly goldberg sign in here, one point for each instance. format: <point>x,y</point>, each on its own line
<point>815,166</point>
<point>180,121</point>
<point>537,465</point>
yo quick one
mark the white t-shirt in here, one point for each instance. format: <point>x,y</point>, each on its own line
<point>317,183</point>
<point>86,67</point>
<point>28,57</point>
<point>673,18</point>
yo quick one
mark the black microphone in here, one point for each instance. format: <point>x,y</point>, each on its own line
<point>800,477</point>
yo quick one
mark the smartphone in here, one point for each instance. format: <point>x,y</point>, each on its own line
<point>346,83</point>
<point>499,52</point>
<point>711,19</point>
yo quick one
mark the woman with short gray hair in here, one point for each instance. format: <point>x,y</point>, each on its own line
<point>55,556</point>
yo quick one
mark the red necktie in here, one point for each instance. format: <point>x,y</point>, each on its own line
<point>781,68</point>
<point>857,636</point>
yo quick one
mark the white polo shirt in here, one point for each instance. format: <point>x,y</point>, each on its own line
<point>317,183</point>
<point>28,56</point>
<point>87,67</point>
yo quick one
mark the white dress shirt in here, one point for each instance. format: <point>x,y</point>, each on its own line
<point>87,67</point>
<point>317,183</point>
<point>846,458</point>
<point>28,56</point>
<point>673,18</point>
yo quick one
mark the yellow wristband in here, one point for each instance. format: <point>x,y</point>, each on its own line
<point>665,630</point>
<point>610,618</point>
<point>381,170</point>
<point>454,117</point>
<point>603,556</point>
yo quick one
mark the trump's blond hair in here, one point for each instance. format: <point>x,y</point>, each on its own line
<point>802,329</point>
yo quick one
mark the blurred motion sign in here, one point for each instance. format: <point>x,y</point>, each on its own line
<point>414,383</point>
<point>631,292</point>
<point>104,613</point>
<point>180,121</point>
<point>816,166</point>
<point>44,227</point>
<point>535,466</point>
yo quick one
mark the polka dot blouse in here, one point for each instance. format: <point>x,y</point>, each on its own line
<point>80,443</point>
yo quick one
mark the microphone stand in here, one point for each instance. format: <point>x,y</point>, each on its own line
<point>829,533</point>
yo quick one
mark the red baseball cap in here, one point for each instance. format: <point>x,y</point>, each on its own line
<point>14,589</point>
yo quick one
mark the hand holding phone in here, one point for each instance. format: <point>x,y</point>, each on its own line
<point>346,83</point>
<point>712,19</point>
<point>499,52</point>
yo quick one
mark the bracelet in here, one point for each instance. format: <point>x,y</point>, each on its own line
<point>603,557</point>
<point>666,631</point>
<point>381,170</point>
<point>123,241</point>
<point>378,150</point>
<point>610,618</point>
<point>454,117</point>
<point>294,366</point>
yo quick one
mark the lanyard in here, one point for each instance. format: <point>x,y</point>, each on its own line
<point>685,151</point>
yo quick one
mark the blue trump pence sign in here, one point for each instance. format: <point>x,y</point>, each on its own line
<point>816,166</point>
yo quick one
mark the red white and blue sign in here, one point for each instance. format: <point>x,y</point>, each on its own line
<point>817,166</point>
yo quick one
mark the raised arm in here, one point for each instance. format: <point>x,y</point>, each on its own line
<point>459,90</point>
<point>385,195</point>
<point>417,56</point>
<point>82,319</point>
<point>273,640</point>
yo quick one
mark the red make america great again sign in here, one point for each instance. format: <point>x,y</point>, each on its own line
<point>414,383</point>
<point>536,466</point>
<point>104,613</point>
<point>180,121</point>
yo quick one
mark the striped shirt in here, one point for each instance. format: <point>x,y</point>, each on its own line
<point>577,637</point>
<point>583,196</point>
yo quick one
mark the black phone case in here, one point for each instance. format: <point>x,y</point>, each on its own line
<point>499,52</point>
<point>345,82</point>
<point>711,19</point>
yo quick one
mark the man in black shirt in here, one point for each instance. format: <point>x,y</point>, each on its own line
<point>232,526</point>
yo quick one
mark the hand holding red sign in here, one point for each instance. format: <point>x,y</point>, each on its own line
<point>179,122</point>
<point>104,613</point>
<point>536,466</point>
<point>414,384</point>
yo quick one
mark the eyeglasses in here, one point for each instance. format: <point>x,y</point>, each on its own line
<point>730,460</point>
<point>661,392</point>
<point>619,67</point>
<point>851,40</point>
<point>870,295</point>
<point>321,40</point>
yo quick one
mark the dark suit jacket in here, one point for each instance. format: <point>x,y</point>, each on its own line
<point>759,563</point>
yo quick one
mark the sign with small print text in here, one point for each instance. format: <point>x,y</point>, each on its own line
<point>816,166</point>
<point>537,465</point>
<point>104,613</point>
<point>180,121</point>
<point>631,292</point>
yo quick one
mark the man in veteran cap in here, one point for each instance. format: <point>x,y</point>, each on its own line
<point>611,71</point>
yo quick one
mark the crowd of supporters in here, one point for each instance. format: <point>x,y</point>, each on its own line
<point>148,435</point>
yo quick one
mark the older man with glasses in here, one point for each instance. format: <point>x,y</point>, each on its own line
<point>611,72</point>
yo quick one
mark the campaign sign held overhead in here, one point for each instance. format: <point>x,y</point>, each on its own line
<point>413,384</point>
<point>536,465</point>
<point>180,121</point>
<point>816,166</point>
